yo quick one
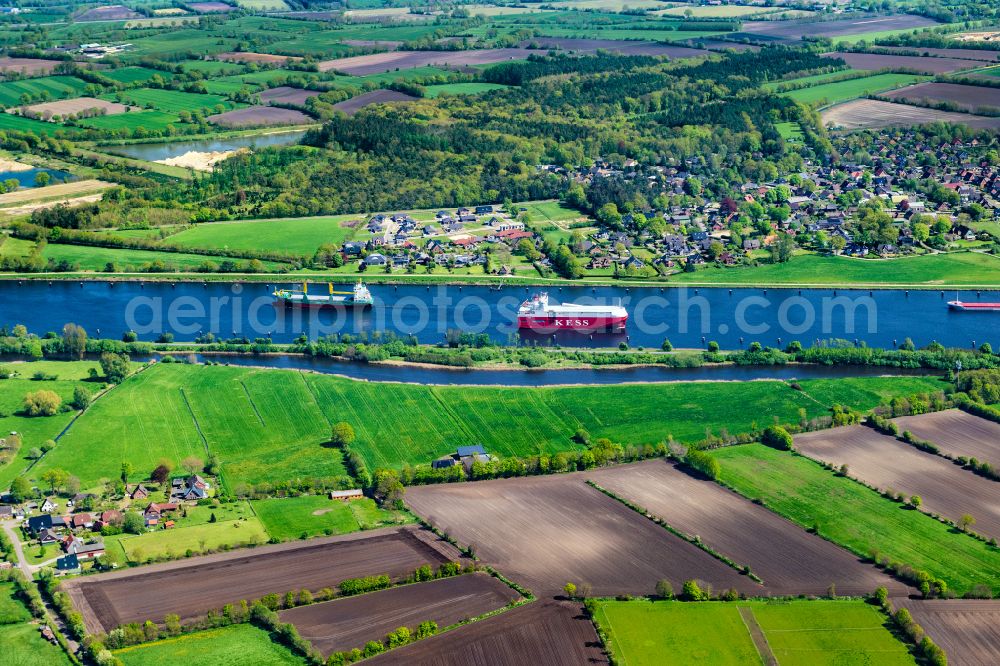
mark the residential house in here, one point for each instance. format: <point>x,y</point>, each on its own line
<point>80,521</point>
<point>48,506</point>
<point>465,456</point>
<point>139,492</point>
<point>375,259</point>
<point>111,517</point>
<point>154,512</point>
<point>193,487</point>
<point>68,563</point>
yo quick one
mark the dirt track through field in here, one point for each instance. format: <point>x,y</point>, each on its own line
<point>545,531</point>
<point>543,632</point>
<point>343,624</point>
<point>887,463</point>
<point>788,559</point>
<point>968,630</point>
<point>192,587</point>
<point>957,433</point>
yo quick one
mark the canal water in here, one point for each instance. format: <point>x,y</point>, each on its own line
<point>688,317</point>
<point>161,151</point>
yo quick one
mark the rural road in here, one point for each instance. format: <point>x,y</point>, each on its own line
<point>22,563</point>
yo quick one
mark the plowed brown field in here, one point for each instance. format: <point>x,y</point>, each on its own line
<point>192,587</point>
<point>957,433</point>
<point>887,463</point>
<point>545,531</point>
<point>788,559</point>
<point>343,624</point>
<point>549,633</point>
<point>967,629</point>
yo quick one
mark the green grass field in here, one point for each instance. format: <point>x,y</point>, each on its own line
<point>964,268</point>
<point>298,236</point>
<point>136,74</point>
<point>56,87</point>
<point>790,131</point>
<point>199,538</point>
<point>271,425</point>
<point>841,91</point>
<point>12,611</point>
<point>9,121</point>
<point>36,430</point>
<point>856,517</point>
<point>807,633</point>
<point>825,632</point>
<point>90,258</point>
<point>172,101</point>
<point>718,11</point>
<point>150,120</point>
<point>462,88</point>
<point>236,645</point>
<point>815,79</point>
<point>642,633</point>
<point>311,515</point>
<point>24,646</point>
<point>213,67</point>
<point>189,42</point>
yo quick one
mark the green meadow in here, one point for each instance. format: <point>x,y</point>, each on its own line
<point>150,120</point>
<point>962,268</point>
<point>462,88</point>
<point>56,87</point>
<point>22,644</point>
<point>172,101</point>
<point>857,517</point>
<point>92,258</point>
<point>236,645</point>
<point>296,236</point>
<point>312,515</point>
<point>841,91</point>
<point>272,425</point>
<point>136,74</point>
<point>798,633</point>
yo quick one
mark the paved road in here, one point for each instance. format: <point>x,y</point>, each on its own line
<point>22,562</point>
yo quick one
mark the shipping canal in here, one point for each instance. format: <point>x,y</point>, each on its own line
<point>689,317</point>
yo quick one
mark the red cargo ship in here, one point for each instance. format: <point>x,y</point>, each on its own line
<point>974,307</point>
<point>538,314</point>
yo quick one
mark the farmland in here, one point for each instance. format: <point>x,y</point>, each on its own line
<point>968,630</point>
<point>869,113</point>
<point>355,104</point>
<point>391,60</point>
<point>286,95</point>
<point>860,519</point>
<point>153,120</point>
<point>22,643</point>
<point>192,587</point>
<point>173,101</point>
<point>462,89</point>
<point>957,433</point>
<point>877,61</point>
<point>842,28</point>
<point>885,463</point>
<point>796,632</point>
<point>313,515</point>
<point>552,632</point>
<point>831,93</point>
<point>296,236</point>
<point>970,98</point>
<point>27,66</point>
<point>228,646</point>
<point>529,528</point>
<point>13,93</point>
<point>259,116</point>
<point>971,268</point>
<point>786,557</point>
<point>97,258</point>
<point>343,624</point>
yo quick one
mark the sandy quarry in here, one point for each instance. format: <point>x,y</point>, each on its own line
<point>200,161</point>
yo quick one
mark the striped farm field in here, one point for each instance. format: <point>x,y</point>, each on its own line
<point>173,101</point>
<point>9,121</point>
<point>150,120</point>
<point>271,425</point>
<point>56,87</point>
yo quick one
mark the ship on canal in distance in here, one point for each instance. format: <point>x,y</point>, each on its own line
<point>359,297</point>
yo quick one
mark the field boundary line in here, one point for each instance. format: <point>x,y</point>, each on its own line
<point>252,404</point>
<point>194,418</point>
<point>315,398</point>
<point>757,636</point>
